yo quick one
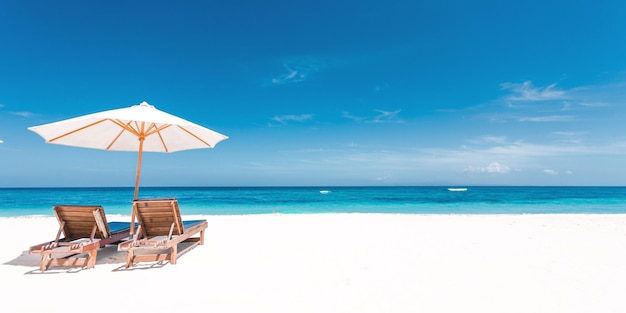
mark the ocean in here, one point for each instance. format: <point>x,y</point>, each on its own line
<point>310,200</point>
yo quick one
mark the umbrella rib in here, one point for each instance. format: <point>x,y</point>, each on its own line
<point>194,135</point>
<point>126,126</point>
<point>163,142</point>
<point>76,130</point>
<point>114,140</point>
<point>153,129</point>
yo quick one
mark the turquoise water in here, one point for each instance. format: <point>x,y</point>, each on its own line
<point>264,200</point>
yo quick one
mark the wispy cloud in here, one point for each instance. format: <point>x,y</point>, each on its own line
<point>352,117</point>
<point>568,136</point>
<point>297,70</point>
<point>493,167</point>
<point>292,76</point>
<point>381,117</point>
<point>284,119</point>
<point>552,172</point>
<point>548,118</point>
<point>488,140</point>
<point>19,113</point>
<point>23,114</point>
<point>494,160</point>
<point>387,117</point>
<point>381,87</point>
<point>526,102</point>
<point>527,92</point>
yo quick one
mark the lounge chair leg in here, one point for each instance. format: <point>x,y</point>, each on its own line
<point>129,258</point>
<point>45,262</point>
<point>173,255</point>
<point>91,260</point>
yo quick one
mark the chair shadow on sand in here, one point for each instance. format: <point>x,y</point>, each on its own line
<point>146,265</point>
<point>106,255</point>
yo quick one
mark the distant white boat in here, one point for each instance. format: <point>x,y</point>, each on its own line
<point>324,191</point>
<point>457,189</point>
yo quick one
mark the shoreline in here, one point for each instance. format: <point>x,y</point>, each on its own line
<point>117,217</point>
<point>346,262</point>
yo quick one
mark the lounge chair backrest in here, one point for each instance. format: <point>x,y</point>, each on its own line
<point>157,215</point>
<point>78,221</point>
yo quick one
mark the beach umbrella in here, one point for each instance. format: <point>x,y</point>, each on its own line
<point>140,128</point>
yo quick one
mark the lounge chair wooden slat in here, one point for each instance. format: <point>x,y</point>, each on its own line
<point>160,233</point>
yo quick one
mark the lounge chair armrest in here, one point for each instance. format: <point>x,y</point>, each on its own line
<point>76,245</point>
<point>50,245</point>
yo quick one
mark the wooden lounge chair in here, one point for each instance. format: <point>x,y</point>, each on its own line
<point>85,229</point>
<point>160,232</point>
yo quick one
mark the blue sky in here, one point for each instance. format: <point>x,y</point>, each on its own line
<point>323,93</point>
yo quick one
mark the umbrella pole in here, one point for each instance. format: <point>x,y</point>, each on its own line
<point>138,168</point>
<point>132,216</point>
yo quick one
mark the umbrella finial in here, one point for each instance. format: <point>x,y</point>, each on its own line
<point>145,104</point>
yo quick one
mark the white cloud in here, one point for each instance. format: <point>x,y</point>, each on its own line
<point>568,133</point>
<point>549,118</point>
<point>527,92</point>
<point>382,117</point>
<point>298,69</point>
<point>381,87</point>
<point>527,103</point>
<point>550,172</point>
<point>387,117</point>
<point>1,141</point>
<point>291,77</point>
<point>569,136</point>
<point>493,167</point>
<point>352,117</point>
<point>283,119</point>
<point>489,140</point>
<point>22,114</point>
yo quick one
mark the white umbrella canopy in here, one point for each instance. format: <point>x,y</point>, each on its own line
<point>138,128</point>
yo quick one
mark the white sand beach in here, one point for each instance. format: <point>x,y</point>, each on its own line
<point>341,263</point>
